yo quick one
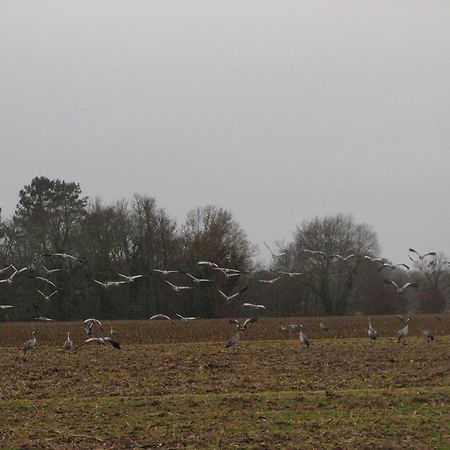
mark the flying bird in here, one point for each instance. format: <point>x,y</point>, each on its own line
<point>49,271</point>
<point>185,319</point>
<point>45,280</point>
<point>208,264</point>
<point>130,278</point>
<point>110,284</point>
<point>274,255</point>
<point>89,325</point>
<point>102,341</point>
<point>164,273</point>
<point>401,289</point>
<point>241,326</point>
<point>392,266</point>
<point>342,258</point>
<point>422,256</point>
<point>197,280</point>
<point>6,306</point>
<point>289,274</point>
<point>162,317</point>
<point>46,297</point>
<point>66,256</point>
<point>272,281</point>
<point>178,288</point>
<point>10,279</point>
<point>230,297</point>
<point>252,306</point>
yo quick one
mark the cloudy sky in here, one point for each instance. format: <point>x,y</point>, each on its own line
<point>277,111</point>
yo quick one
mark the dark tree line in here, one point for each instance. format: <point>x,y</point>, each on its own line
<point>138,237</point>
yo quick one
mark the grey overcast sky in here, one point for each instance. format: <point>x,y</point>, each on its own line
<point>276,110</point>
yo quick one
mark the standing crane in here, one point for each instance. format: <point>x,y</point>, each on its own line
<point>401,334</point>
<point>232,341</point>
<point>302,336</point>
<point>68,345</point>
<point>371,332</point>
<point>29,345</point>
<point>428,334</point>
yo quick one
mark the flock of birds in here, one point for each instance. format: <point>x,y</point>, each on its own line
<point>208,266</point>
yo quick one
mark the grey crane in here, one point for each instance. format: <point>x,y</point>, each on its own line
<point>198,280</point>
<point>228,298</point>
<point>401,334</point>
<point>46,297</point>
<point>241,326</point>
<point>342,258</point>
<point>401,289</point>
<point>422,256</point>
<point>392,266</point>
<point>89,324</point>
<point>29,345</point>
<point>49,271</point>
<point>371,332</point>
<point>185,319</point>
<point>68,344</point>
<point>272,281</point>
<point>10,279</point>
<point>162,317</point>
<point>102,341</point>
<point>130,278</point>
<point>428,334</point>
<point>232,342</point>
<point>110,284</point>
<point>323,327</point>
<point>304,339</point>
<point>66,256</point>
<point>252,306</point>
<point>274,255</point>
<point>178,289</point>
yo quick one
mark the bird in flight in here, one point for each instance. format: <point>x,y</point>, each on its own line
<point>178,288</point>
<point>185,319</point>
<point>161,317</point>
<point>6,306</point>
<point>110,284</point>
<point>197,280</point>
<point>66,256</point>
<point>228,298</point>
<point>274,255</point>
<point>342,258</point>
<point>101,341</point>
<point>392,266</point>
<point>252,306</point>
<point>49,271</point>
<point>272,281</point>
<point>401,289</point>
<point>47,297</point>
<point>45,280</point>
<point>422,256</point>
<point>241,326</point>
<point>130,278</point>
